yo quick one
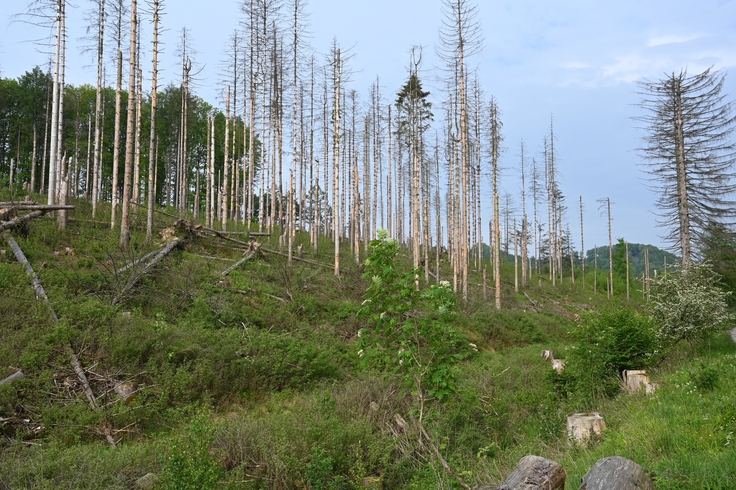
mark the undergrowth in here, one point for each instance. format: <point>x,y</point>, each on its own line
<point>253,380</point>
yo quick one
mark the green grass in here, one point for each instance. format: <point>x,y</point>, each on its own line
<point>267,357</point>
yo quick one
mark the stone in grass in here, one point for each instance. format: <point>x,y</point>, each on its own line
<point>147,481</point>
<point>616,473</point>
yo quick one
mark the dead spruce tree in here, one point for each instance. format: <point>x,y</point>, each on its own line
<point>689,155</point>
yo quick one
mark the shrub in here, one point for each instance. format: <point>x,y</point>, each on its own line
<point>191,465</point>
<point>603,346</point>
<point>689,304</point>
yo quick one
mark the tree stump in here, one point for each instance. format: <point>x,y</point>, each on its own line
<point>637,380</point>
<point>616,473</point>
<point>535,473</point>
<point>581,426</point>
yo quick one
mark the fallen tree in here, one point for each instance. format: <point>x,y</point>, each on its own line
<point>41,293</point>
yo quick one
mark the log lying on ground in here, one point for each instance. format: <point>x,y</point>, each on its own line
<point>155,260</point>
<point>12,377</point>
<point>11,204</point>
<point>9,225</point>
<point>616,473</point>
<point>138,261</point>
<point>535,473</point>
<point>238,263</point>
<point>307,261</point>
<point>41,293</point>
<point>38,207</point>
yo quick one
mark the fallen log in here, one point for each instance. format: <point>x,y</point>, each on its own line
<point>41,293</point>
<point>10,204</point>
<point>238,264</point>
<point>155,260</point>
<point>9,225</point>
<point>616,473</point>
<point>39,207</point>
<point>138,261</point>
<point>12,377</point>
<point>307,261</point>
<point>535,473</point>
<point>277,298</point>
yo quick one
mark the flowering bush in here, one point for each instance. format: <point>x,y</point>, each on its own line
<point>689,304</point>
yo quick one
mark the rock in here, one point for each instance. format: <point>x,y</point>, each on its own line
<point>127,390</point>
<point>534,473</point>
<point>616,473</point>
<point>581,426</point>
<point>147,481</point>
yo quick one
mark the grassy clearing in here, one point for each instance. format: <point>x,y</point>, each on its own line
<point>260,370</point>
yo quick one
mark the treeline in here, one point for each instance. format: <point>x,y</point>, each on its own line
<point>658,258</point>
<point>24,133</point>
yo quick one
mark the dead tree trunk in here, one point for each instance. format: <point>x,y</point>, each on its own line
<point>535,473</point>
<point>41,293</point>
<point>616,473</point>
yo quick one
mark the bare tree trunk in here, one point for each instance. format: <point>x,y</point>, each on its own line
<point>226,164</point>
<point>118,26</point>
<point>628,297</point>
<point>336,153</point>
<point>130,127</point>
<point>610,250</point>
<point>97,164</point>
<point>582,241</point>
<point>152,143</point>
<point>57,92</point>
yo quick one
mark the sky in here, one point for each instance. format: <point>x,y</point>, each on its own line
<point>576,61</point>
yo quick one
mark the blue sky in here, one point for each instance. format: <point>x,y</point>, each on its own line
<point>572,59</point>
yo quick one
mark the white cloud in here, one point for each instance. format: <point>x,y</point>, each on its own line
<point>575,65</point>
<point>670,39</point>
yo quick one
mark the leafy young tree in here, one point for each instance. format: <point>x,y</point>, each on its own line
<point>689,155</point>
<point>689,304</point>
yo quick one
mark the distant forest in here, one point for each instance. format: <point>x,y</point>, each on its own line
<point>657,258</point>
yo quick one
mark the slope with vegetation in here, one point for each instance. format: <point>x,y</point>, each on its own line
<point>285,376</point>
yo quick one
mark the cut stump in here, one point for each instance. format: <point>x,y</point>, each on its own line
<point>616,473</point>
<point>581,426</point>
<point>636,380</point>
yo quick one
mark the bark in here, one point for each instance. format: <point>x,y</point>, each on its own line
<point>7,225</point>
<point>97,165</point>
<point>336,173</point>
<point>238,264</point>
<point>129,131</point>
<point>582,241</point>
<point>616,473</point>
<point>535,473</point>
<point>53,146</point>
<point>13,377</point>
<point>152,140</point>
<point>306,261</point>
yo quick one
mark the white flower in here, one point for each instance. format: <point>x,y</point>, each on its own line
<point>445,284</point>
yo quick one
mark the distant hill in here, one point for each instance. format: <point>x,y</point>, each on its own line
<point>657,258</point>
